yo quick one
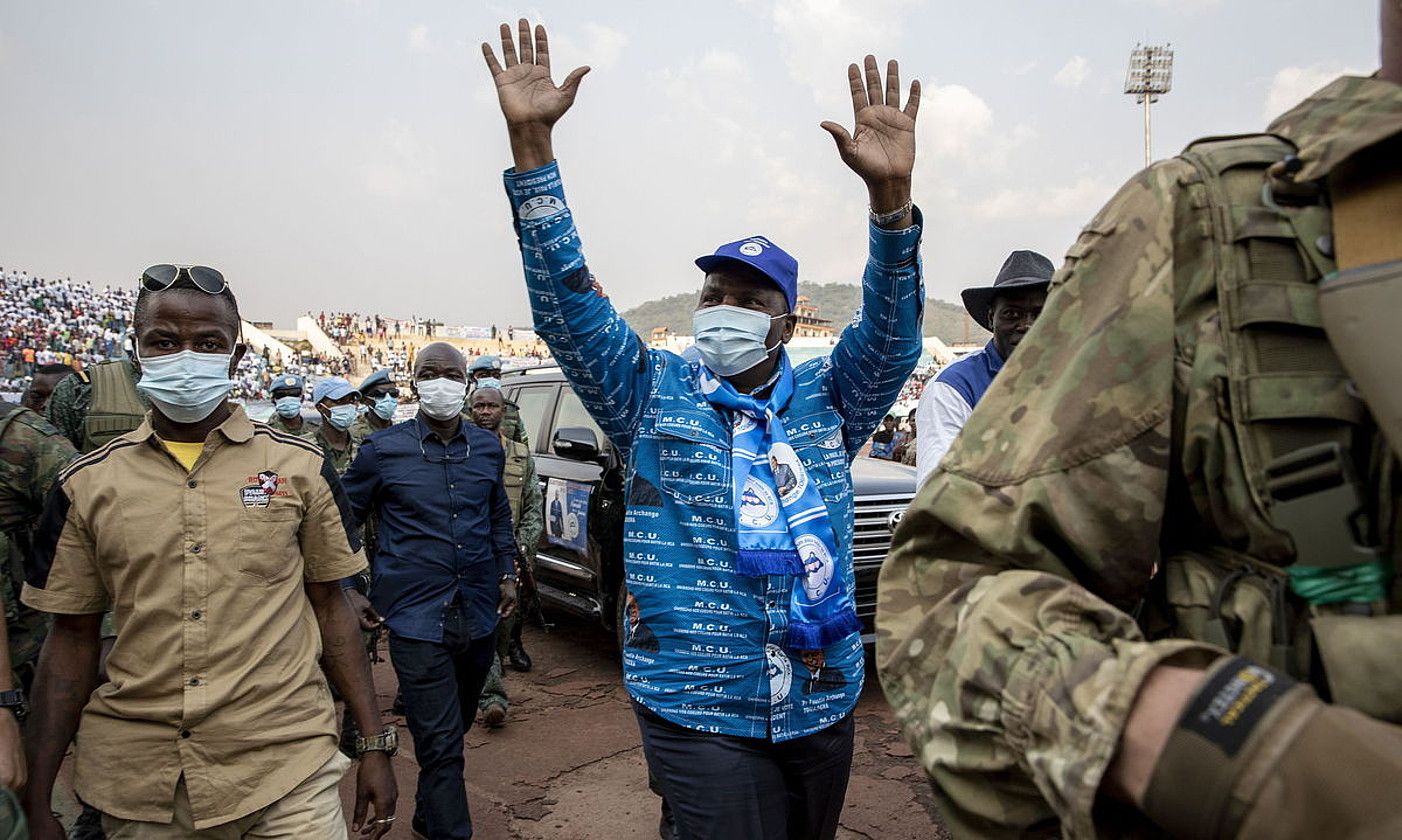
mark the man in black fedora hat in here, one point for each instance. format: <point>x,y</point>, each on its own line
<point>1007,309</point>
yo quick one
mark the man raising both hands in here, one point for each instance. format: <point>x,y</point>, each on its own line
<point>738,530</point>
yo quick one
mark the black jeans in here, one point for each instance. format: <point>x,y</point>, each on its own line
<point>723,787</point>
<point>440,683</point>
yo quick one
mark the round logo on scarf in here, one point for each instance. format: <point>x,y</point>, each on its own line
<point>758,506</point>
<point>790,478</point>
<point>817,565</point>
<point>743,423</point>
<point>780,671</point>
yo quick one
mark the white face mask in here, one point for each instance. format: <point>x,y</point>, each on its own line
<point>187,386</point>
<point>441,399</point>
<point>731,339</point>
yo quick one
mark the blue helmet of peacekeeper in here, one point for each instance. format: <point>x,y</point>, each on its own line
<point>384,404</point>
<point>287,395</point>
<point>484,366</point>
<point>337,401</point>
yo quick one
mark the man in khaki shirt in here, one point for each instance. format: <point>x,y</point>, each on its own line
<point>219,544</point>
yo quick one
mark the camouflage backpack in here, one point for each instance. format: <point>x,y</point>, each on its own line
<point>1310,596</point>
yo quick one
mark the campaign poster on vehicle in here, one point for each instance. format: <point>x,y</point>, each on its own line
<point>567,514</point>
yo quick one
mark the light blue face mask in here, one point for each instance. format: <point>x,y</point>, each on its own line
<point>342,416</point>
<point>288,407</point>
<point>385,406</point>
<point>731,339</point>
<point>187,386</point>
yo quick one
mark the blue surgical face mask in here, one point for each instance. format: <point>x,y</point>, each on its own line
<point>288,407</point>
<point>385,406</point>
<point>731,339</point>
<point>342,416</point>
<point>187,386</point>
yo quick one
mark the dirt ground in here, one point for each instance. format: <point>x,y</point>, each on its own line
<point>568,765</point>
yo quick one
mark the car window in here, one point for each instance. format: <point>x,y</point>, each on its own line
<point>572,413</point>
<point>534,403</point>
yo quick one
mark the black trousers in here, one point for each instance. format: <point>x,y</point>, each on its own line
<point>440,682</point>
<point>722,787</point>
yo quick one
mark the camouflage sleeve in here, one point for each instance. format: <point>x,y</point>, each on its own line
<point>68,407</point>
<point>532,519</point>
<point>1011,678</point>
<point>32,453</point>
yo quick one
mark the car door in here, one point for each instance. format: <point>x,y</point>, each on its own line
<point>569,557</point>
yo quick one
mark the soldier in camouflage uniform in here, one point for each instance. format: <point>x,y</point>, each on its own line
<point>523,491</point>
<point>1121,511</point>
<point>32,452</point>
<point>336,401</point>
<point>380,397</point>
<point>95,405</point>
<point>287,407</point>
<point>486,370</point>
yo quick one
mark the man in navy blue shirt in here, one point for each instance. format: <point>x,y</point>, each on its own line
<point>444,573</point>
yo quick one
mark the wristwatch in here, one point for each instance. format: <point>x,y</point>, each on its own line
<point>386,742</point>
<point>508,576</point>
<point>15,701</point>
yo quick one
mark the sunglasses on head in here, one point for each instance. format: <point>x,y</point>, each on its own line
<point>158,278</point>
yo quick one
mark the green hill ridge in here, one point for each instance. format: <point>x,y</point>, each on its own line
<point>835,301</point>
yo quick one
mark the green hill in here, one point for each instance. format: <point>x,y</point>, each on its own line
<point>835,301</point>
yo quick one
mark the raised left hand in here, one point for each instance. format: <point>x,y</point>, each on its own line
<point>881,149</point>
<point>376,792</point>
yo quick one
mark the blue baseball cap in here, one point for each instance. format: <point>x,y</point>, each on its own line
<point>379,377</point>
<point>331,388</point>
<point>288,382</point>
<point>764,256</point>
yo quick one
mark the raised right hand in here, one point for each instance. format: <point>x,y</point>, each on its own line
<point>527,95</point>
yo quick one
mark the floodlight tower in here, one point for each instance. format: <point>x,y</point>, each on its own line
<point>1150,76</point>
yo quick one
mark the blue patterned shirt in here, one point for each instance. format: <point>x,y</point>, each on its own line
<point>704,644</point>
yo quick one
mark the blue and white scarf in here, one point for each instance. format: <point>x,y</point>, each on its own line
<point>783,526</point>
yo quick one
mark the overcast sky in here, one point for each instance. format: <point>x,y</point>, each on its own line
<point>346,154</point>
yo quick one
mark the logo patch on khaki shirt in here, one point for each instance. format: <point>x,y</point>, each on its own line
<point>261,489</point>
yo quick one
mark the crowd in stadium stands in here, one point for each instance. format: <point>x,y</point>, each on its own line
<point>63,321</point>
<point>58,321</point>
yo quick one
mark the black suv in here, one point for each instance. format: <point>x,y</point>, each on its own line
<point>579,561</point>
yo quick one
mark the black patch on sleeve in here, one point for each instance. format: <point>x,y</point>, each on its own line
<point>40,557</point>
<point>1232,702</point>
<point>328,472</point>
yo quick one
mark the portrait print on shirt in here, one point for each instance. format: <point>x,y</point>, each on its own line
<point>790,478</point>
<point>639,636</point>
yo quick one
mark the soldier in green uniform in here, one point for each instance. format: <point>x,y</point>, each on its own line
<point>380,396</point>
<point>94,406</point>
<point>287,406</point>
<point>336,400</point>
<point>523,491</point>
<point>32,452</point>
<point>1171,520</point>
<point>487,369</point>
